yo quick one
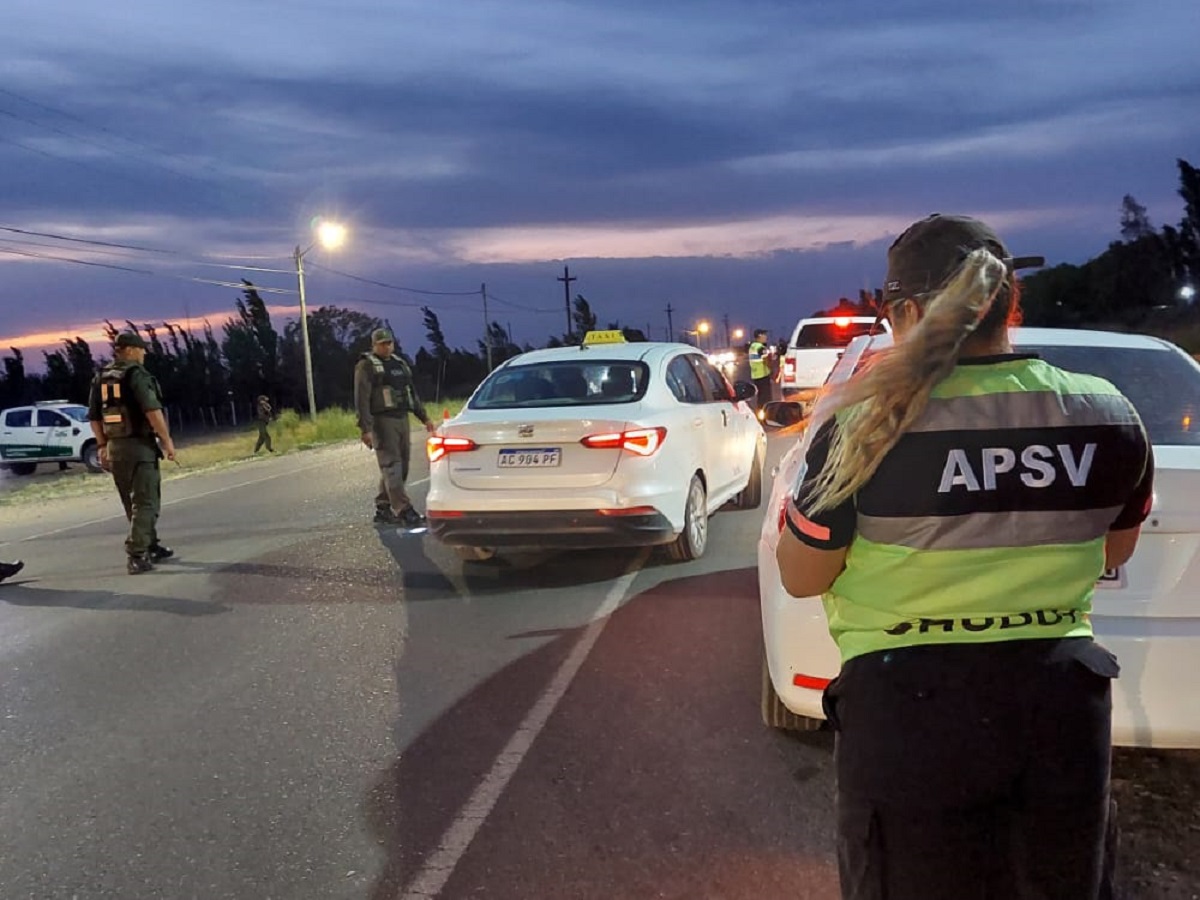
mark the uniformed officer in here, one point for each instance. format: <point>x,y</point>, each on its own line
<point>126,413</point>
<point>760,366</point>
<point>956,511</point>
<point>384,395</point>
<point>262,416</point>
<point>8,570</point>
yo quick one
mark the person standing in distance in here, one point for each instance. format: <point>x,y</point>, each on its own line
<point>384,395</point>
<point>760,366</point>
<point>956,511</point>
<point>126,414</point>
<point>262,416</point>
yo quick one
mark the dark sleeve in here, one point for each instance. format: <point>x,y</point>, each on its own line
<point>830,529</point>
<point>362,395</point>
<point>95,413</point>
<point>1137,508</point>
<point>144,390</point>
<point>417,407</point>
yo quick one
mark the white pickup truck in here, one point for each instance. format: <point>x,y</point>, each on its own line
<point>814,350</point>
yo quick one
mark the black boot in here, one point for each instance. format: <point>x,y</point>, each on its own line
<point>158,552</point>
<point>8,570</point>
<point>412,518</point>
<point>139,564</point>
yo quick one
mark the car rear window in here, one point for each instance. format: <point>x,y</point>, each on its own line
<point>591,382</point>
<point>829,334</point>
<point>1164,386</point>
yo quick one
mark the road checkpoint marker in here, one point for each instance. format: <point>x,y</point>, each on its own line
<point>453,846</point>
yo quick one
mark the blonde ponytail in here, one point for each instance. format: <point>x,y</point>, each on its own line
<point>883,401</point>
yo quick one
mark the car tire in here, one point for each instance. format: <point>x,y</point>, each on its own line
<point>751,495</point>
<point>692,541</point>
<point>776,715</point>
<point>22,468</point>
<point>91,457</point>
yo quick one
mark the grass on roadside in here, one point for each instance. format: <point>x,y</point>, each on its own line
<point>290,432</point>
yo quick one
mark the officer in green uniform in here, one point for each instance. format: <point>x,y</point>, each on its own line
<point>956,511</point>
<point>126,413</point>
<point>760,366</point>
<point>384,395</point>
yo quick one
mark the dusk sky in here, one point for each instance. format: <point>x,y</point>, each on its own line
<point>749,158</point>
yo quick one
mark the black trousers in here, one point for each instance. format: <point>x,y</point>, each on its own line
<point>975,772</point>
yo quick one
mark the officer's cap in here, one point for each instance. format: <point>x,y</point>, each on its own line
<point>924,257</point>
<point>130,339</point>
<point>379,335</point>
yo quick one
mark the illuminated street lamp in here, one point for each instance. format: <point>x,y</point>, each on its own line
<point>1187,293</point>
<point>330,235</point>
<point>738,334</point>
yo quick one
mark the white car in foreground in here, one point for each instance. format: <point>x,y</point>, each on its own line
<point>609,444</point>
<point>1147,612</point>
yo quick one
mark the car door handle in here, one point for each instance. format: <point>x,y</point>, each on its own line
<point>697,422</point>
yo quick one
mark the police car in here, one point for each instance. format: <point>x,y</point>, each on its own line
<point>607,444</point>
<point>51,431</point>
<point>1147,612</point>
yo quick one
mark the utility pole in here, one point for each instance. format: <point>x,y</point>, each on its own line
<point>728,339</point>
<point>670,324</point>
<point>566,279</point>
<point>487,328</point>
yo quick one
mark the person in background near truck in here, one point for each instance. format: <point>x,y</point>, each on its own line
<point>262,416</point>
<point>126,413</point>
<point>8,570</point>
<point>760,366</point>
<point>384,395</point>
<point>955,512</point>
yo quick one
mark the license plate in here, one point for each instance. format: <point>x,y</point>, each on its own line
<point>534,458</point>
<point>1112,578</point>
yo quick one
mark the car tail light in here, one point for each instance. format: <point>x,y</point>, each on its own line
<point>789,369</point>
<point>639,441</point>
<point>812,682</point>
<point>841,322</point>
<point>437,446</point>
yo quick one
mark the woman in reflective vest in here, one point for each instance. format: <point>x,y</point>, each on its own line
<point>955,512</point>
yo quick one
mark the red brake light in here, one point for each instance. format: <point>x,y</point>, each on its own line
<point>639,441</point>
<point>789,368</point>
<point>841,321</point>
<point>437,446</point>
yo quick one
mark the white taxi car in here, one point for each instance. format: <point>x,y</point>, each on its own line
<point>51,431</point>
<point>608,444</point>
<point>1147,612</point>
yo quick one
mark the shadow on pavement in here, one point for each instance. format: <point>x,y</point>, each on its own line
<point>654,776</point>
<point>18,593</point>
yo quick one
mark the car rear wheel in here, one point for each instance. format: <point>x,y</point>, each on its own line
<point>751,495</point>
<point>694,538</point>
<point>91,457</point>
<point>24,468</point>
<point>776,715</point>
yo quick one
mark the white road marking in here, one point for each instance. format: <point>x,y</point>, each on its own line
<point>221,490</point>
<point>454,843</point>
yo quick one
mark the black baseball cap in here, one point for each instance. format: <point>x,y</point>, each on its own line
<point>130,339</point>
<point>924,257</point>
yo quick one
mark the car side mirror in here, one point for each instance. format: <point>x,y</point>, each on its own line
<point>782,413</point>
<point>744,390</point>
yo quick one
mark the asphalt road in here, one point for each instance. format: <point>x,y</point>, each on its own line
<point>306,706</point>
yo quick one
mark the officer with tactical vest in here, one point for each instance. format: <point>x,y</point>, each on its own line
<point>384,395</point>
<point>760,366</point>
<point>956,510</point>
<point>126,413</point>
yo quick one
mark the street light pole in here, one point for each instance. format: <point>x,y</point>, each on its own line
<point>308,371</point>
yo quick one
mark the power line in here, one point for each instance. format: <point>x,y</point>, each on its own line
<point>394,287</point>
<point>529,309</point>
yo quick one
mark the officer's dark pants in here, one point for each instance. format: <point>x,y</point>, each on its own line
<point>140,486</point>
<point>264,438</point>
<point>390,436</point>
<point>766,392</point>
<point>967,772</point>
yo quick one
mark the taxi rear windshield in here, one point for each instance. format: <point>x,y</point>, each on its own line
<point>830,334</point>
<point>590,382</point>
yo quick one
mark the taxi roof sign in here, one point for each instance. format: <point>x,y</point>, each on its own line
<point>604,337</point>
